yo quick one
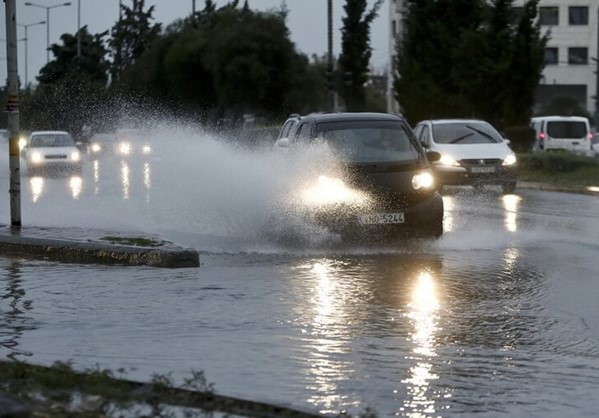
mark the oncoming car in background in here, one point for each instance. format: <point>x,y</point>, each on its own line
<point>472,152</point>
<point>51,151</point>
<point>101,144</point>
<point>387,188</point>
<point>132,142</point>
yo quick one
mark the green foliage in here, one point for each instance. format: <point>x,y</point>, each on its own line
<point>59,391</point>
<point>469,58</point>
<point>131,35</point>
<point>356,52</point>
<point>558,161</point>
<point>67,67</point>
<point>212,67</point>
<point>564,105</point>
<point>521,137</point>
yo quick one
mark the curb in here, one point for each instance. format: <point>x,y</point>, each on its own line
<point>591,191</point>
<point>24,243</point>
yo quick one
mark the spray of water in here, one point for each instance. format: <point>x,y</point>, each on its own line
<point>198,187</point>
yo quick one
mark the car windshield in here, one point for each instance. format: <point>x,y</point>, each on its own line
<point>369,141</point>
<point>52,140</point>
<point>566,129</point>
<point>465,133</point>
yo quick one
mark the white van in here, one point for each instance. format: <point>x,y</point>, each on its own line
<point>571,133</point>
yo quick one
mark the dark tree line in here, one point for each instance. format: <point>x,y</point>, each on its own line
<point>469,58</point>
<point>211,67</point>
<point>456,58</point>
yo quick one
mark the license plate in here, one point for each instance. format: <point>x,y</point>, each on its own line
<point>382,218</point>
<point>483,169</point>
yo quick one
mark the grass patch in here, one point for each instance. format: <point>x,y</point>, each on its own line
<point>60,391</point>
<point>134,241</point>
<point>559,168</point>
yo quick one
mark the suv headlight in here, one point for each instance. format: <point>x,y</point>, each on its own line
<point>75,156</point>
<point>510,160</point>
<point>422,181</point>
<point>36,157</point>
<point>448,160</point>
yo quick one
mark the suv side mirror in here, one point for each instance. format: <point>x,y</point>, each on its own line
<point>282,143</point>
<point>433,156</point>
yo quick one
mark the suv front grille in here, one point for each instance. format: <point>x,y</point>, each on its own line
<point>474,162</point>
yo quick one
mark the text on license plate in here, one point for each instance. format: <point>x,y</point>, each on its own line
<point>382,218</point>
<point>483,169</point>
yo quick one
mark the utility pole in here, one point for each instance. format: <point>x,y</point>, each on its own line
<point>12,108</point>
<point>78,28</point>
<point>331,78</point>
<point>597,78</point>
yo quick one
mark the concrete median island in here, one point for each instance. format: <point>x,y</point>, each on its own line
<point>82,246</point>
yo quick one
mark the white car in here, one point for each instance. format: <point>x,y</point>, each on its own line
<point>132,142</point>
<point>54,151</point>
<point>569,133</point>
<point>472,152</point>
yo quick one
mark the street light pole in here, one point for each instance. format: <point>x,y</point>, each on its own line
<point>25,39</point>
<point>78,28</point>
<point>27,3</point>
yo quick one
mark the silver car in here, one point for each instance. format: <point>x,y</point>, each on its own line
<point>51,151</point>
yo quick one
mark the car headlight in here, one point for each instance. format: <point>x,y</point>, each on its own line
<point>329,191</point>
<point>422,181</point>
<point>448,160</point>
<point>510,160</point>
<point>96,148</point>
<point>36,157</point>
<point>125,148</point>
<point>146,149</point>
<point>22,143</point>
<point>75,156</point>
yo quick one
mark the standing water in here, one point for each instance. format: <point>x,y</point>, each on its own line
<point>496,318</point>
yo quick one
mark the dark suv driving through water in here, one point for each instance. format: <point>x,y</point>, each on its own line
<point>387,186</point>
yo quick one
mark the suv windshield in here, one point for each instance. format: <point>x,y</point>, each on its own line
<point>566,129</point>
<point>52,140</point>
<point>465,133</point>
<point>369,141</point>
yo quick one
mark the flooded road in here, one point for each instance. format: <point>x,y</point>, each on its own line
<point>496,318</point>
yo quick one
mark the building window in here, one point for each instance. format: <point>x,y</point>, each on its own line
<point>549,16</point>
<point>578,56</point>
<point>551,56</point>
<point>578,15</point>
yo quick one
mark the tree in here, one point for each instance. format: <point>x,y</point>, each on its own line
<point>71,87</point>
<point>426,65</point>
<point>564,105</point>
<point>356,51</point>
<point>131,35</point>
<point>469,58</point>
<point>67,66</point>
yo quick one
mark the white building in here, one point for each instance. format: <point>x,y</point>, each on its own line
<point>571,54</point>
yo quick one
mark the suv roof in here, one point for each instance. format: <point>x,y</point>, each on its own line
<point>353,116</point>
<point>556,117</point>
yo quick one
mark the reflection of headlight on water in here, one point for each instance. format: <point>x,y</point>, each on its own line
<point>330,191</point>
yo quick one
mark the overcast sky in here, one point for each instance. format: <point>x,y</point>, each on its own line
<point>307,22</point>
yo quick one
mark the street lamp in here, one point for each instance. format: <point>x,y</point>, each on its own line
<point>27,3</point>
<point>25,39</point>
